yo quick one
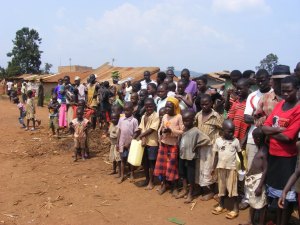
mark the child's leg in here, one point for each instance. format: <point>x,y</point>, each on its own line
<point>76,154</point>
<point>190,193</point>
<point>191,173</point>
<point>122,177</point>
<point>151,176</point>
<point>163,187</point>
<point>33,122</point>
<point>114,168</point>
<point>27,124</point>
<point>222,201</point>
<point>146,166</point>
<point>262,215</point>
<point>184,189</point>
<point>286,214</point>
<point>235,204</point>
<point>119,169</point>
<point>131,172</point>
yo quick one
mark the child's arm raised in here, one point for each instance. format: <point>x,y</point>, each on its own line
<point>258,190</point>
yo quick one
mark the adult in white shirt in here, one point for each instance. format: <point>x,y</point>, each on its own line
<point>81,89</point>
<point>263,82</point>
<point>147,80</point>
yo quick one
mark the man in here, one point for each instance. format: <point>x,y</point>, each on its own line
<point>41,94</point>
<point>69,90</point>
<point>9,85</point>
<point>147,80</point>
<point>191,86</point>
<point>92,95</point>
<point>263,83</point>
<point>80,90</point>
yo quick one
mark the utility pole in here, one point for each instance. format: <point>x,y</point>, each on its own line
<point>70,63</point>
<point>112,61</point>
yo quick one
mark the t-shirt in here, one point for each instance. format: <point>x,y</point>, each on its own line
<point>127,126</point>
<point>290,120</point>
<point>9,85</point>
<point>251,106</point>
<point>161,103</point>
<point>190,141</point>
<point>152,123</point>
<point>175,124</point>
<point>53,109</point>
<point>144,84</point>
<point>227,150</point>
<point>80,127</point>
<point>191,88</point>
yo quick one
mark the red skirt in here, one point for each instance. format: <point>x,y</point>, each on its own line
<point>167,162</point>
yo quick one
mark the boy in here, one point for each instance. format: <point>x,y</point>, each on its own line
<point>79,127</point>
<point>53,115</point>
<point>226,148</point>
<point>126,127</point>
<point>147,132</point>
<point>255,178</point>
<point>209,122</point>
<point>114,155</point>
<point>162,93</point>
<point>30,110</point>
<point>21,110</point>
<point>191,141</point>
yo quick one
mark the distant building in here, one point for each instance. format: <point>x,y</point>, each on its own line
<point>74,68</point>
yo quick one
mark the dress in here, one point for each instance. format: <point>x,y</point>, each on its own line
<point>80,134</point>
<point>30,109</point>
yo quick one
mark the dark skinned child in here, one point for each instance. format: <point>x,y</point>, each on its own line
<point>147,132</point>
<point>185,100</point>
<point>79,127</point>
<point>126,127</point>
<point>255,179</point>
<point>226,148</point>
<point>114,155</point>
<point>30,110</point>
<point>22,111</point>
<point>191,142</point>
<point>53,108</point>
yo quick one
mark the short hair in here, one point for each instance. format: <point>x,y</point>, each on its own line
<point>149,100</point>
<point>186,70</point>
<point>67,76</point>
<point>172,86</point>
<point>204,79</point>
<point>147,73</point>
<point>236,73</point>
<point>161,75</point>
<point>163,86</point>
<point>117,106</point>
<point>153,85</point>
<point>128,104</point>
<point>290,80</point>
<point>188,112</point>
<point>244,81</point>
<point>206,96</point>
<point>248,73</point>
<point>262,72</point>
<point>258,132</point>
<point>106,84</point>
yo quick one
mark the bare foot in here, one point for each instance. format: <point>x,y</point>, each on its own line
<point>121,180</point>
<point>207,197</point>
<point>189,199</point>
<point>181,195</point>
<point>112,173</point>
<point>118,175</point>
<point>175,193</point>
<point>131,179</point>
<point>162,190</point>
<point>149,187</point>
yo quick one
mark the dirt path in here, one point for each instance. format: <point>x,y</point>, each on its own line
<point>41,185</point>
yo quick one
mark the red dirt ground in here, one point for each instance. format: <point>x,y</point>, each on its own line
<point>40,184</point>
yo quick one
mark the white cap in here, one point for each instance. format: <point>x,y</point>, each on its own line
<point>77,78</point>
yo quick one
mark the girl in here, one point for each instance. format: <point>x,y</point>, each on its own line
<point>30,110</point>
<point>171,128</point>
<point>185,100</point>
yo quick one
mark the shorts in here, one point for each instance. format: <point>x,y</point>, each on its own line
<point>150,152</point>
<point>227,181</point>
<point>53,122</point>
<point>187,170</point>
<point>125,153</point>
<point>80,143</point>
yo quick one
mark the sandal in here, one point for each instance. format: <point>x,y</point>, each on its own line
<point>218,210</point>
<point>231,215</point>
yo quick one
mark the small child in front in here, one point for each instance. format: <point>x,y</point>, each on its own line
<point>30,110</point>
<point>226,148</point>
<point>148,134</point>
<point>126,127</point>
<point>79,127</point>
<point>255,178</point>
<point>53,115</point>
<point>190,143</point>
<point>114,155</point>
<point>22,111</point>
<point>166,167</point>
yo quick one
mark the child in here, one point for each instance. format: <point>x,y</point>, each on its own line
<point>120,100</point>
<point>192,139</point>
<point>185,100</point>
<point>80,126</point>
<point>226,148</point>
<point>53,115</point>
<point>114,155</point>
<point>162,93</point>
<point>171,128</point>
<point>255,178</point>
<point>161,113</point>
<point>21,110</point>
<point>126,127</point>
<point>209,122</point>
<point>171,89</point>
<point>30,110</point>
<point>148,134</point>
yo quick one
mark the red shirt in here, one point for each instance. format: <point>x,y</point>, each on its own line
<point>290,120</point>
<point>236,113</point>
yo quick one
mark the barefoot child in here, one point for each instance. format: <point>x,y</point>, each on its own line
<point>255,178</point>
<point>80,126</point>
<point>53,115</point>
<point>30,110</point>
<point>21,110</point>
<point>114,155</point>
<point>226,148</point>
<point>126,127</point>
<point>148,134</point>
<point>166,167</point>
<point>190,144</point>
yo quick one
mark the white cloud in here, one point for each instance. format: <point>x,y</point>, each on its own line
<point>240,5</point>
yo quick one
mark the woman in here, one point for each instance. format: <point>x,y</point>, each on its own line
<point>283,126</point>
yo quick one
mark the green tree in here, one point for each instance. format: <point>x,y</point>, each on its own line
<point>25,55</point>
<point>2,73</point>
<point>268,63</point>
<point>47,68</point>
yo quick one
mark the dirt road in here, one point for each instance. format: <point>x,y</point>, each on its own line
<point>41,185</point>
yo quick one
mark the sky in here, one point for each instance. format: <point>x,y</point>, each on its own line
<point>201,35</point>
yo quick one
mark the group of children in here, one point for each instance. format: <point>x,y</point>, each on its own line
<point>189,140</point>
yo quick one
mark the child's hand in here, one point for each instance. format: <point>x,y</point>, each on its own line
<point>167,130</point>
<point>213,173</point>
<point>281,200</point>
<point>118,149</point>
<point>258,191</point>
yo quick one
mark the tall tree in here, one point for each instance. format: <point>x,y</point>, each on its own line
<point>2,73</point>
<point>268,63</point>
<point>26,56</point>
<point>47,68</point>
